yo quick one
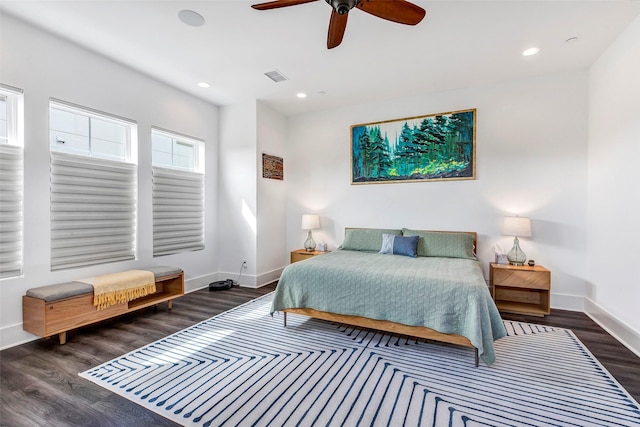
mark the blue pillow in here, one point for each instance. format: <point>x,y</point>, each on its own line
<point>399,245</point>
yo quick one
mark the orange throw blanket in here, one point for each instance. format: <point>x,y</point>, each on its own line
<point>116,288</point>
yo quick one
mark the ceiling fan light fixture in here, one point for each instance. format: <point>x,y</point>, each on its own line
<point>400,11</point>
<point>342,7</point>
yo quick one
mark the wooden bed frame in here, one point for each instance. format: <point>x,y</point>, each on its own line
<point>387,326</point>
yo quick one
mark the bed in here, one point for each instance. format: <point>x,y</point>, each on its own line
<point>436,292</point>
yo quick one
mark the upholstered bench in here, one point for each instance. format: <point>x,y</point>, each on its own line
<point>56,309</point>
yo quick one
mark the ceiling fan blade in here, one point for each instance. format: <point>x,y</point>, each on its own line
<point>279,3</point>
<point>337,25</point>
<point>400,11</point>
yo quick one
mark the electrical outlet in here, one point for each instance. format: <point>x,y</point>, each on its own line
<point>244,264</point>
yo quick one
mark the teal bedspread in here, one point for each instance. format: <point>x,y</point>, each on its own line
<point>445,294</point>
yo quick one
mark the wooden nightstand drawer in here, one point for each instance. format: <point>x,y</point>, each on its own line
<point>522,277</point>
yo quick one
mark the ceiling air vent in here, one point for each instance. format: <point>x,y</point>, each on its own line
<point>276,76</point>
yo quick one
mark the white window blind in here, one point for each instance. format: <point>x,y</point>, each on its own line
<point>93,211</point>
<point>178,211</point>
<point>11,208</point>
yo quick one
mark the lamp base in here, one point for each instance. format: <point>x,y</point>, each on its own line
<point>515,255</point>
<point>309,244</point>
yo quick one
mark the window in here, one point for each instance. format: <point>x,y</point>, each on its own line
<point>89,133</point>
<point>176,152</point>
<point>11,181</point>
<point>178,193</point>
<point>4,119</point>
<point>93,187</point>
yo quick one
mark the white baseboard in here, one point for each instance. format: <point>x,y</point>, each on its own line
<point>567,302</point>
<point>13,335</point>
<point>269,277</point>
<point>245,280</point>
<point>200,282</point>
<point>624,333</point>
<point>614,326</point>
<point>249,281</point>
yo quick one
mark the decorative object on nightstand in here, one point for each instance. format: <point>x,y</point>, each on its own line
<point>310,222</point>
<point>521,289</point>
<point>517,227</point>
<point>302,254</point>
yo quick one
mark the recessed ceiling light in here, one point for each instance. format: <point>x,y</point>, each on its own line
<point>204,84</point>
<point>301,95</point>
<point>531,51</point>
<point>191,18</point>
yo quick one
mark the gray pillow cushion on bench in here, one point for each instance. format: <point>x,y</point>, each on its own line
<point>60,291</point>
<point>161,270</point>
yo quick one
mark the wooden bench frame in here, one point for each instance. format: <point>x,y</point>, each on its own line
<point>45,319</point>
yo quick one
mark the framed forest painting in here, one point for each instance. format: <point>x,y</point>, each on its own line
<point>436,147</point>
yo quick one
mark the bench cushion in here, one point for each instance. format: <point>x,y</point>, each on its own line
<point>60,291</point>
<point>161,270</point>
<point>71,289</point>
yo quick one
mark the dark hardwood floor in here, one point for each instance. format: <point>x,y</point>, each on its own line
<point>621,362</point>
<point>40,386</point>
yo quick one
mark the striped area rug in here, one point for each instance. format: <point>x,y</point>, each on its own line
<point>244,368</point>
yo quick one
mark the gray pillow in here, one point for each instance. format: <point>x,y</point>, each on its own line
<point>366,239</point>
<point>443,244</point>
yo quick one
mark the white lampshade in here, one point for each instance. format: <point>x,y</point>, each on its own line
<point>516,226</point>
<point>310,222</point>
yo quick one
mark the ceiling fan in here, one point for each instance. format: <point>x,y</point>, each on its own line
<point>400,11</point>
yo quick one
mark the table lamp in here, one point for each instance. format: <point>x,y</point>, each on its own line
<point>517,227</point>
<point>310,222</point>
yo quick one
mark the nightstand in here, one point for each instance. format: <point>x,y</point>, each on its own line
<point>301,254</point>
<point>520,289</point>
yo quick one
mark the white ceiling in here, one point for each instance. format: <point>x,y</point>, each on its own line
<point>459,44</point>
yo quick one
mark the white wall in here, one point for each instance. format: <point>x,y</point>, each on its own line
<point>531,161</point>
<point>271,197</point>
<point>237,207</point>
<point>252,208</point>
<point>45,66</point>
<point>614,187</point>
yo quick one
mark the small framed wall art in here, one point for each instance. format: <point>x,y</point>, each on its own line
<point>272,167</point>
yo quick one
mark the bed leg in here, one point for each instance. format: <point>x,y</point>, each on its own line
<point>285,319</point>
<point>477,358</point>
